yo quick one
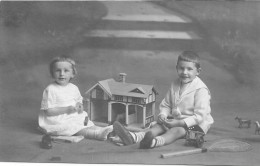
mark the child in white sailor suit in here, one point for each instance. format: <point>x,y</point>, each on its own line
<point>185,106</point>
<point>62,112</point>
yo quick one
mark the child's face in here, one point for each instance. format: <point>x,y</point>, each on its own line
<point>62,73</point>
<point>187,71</point>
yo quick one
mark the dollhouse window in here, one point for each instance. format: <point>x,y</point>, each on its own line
<point>149,112</point>
<point>136,100</point>
<point>100,93</point>
<point>118,98</point>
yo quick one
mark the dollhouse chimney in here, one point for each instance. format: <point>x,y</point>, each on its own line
<point>122,77</point>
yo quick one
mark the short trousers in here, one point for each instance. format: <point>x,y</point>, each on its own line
<point>194,128</point>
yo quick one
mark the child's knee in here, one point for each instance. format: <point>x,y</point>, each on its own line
<point>157,129</point>
<point>178,131</point>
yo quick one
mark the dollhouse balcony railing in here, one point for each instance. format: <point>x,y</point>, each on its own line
<point>149,119</point>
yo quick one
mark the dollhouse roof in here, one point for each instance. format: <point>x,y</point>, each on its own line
<point>112,87</point>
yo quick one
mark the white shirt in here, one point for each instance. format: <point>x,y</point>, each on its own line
<point>193,105</point>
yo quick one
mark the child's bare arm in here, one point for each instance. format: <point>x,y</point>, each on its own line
<point>60,110</point>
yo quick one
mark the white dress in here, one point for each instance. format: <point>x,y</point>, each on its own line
<point>62,96</point>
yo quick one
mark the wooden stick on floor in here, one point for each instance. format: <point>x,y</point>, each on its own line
<point>184,152</point>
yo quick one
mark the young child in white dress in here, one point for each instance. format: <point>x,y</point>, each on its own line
<point>62,112</point>
<point>186,106</point>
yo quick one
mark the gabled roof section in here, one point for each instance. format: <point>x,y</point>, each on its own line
<point>138,90</point>
<point>103,85</point>
<point>126,89</point>
<point>112,87</point>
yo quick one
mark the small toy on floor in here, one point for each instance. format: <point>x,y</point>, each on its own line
<point>257,127</point>
<point>195,138</point>
<point>67,139</point>
<point>242,122</point>
<point>46,142</point>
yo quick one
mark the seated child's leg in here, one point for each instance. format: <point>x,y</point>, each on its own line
<point>157,129</point>
<point>147,141</point>
<point>129,137</point>
<point>96,132</point>
<point>174,134</point>
<point>120,118</point>
<point>126,136</point>
<point>150,141</point>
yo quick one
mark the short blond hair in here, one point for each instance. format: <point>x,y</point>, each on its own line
<point>62,59</point>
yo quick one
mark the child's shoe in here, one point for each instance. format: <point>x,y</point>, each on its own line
<point>146,143</point>
<point>46,142</point>
<point>123,133</point>
<point>104,132</point>
<point>112,134</point>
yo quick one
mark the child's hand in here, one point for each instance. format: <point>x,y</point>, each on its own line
<point>161,119</point>
<point>71,110</point>
<point>169,123</point>
<point>79,107</point>
<point>174,123</point>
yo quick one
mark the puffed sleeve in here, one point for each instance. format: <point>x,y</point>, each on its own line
<point>47,100</point>
<point>201,107</point>
<point>165,106</point>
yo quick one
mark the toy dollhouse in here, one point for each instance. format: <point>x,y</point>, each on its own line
<point>110,99</point>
